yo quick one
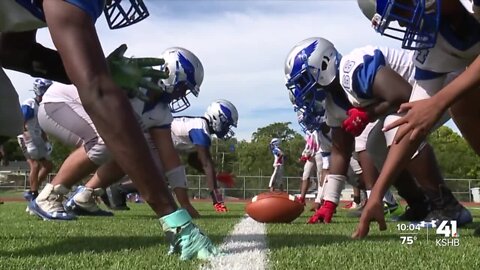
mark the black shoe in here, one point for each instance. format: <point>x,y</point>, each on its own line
<point>414,213</point>
<point>452,212</point>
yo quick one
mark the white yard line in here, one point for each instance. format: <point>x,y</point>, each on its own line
<point>244,249</point>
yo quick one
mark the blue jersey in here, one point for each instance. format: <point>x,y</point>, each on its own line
<point>93,8</point>
<point>27,15</point>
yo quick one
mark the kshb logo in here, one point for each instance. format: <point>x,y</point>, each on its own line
<point>447,228</point>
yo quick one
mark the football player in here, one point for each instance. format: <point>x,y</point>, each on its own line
<point>444,35</point>
<point>33,141</point>
<point>192,136</point>
<point>358,88</point>
<point>276,180</point>
<point>80,60</point>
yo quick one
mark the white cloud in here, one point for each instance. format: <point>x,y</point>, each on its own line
<point>242,45</point>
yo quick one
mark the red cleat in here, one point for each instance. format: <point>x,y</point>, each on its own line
<point>323,214</point>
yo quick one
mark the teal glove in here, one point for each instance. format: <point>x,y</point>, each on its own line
<point>131,74</point>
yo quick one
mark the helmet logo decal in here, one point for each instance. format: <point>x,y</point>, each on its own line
<point>302,57</point>
<point>227,113</point>
<point>188,68</point>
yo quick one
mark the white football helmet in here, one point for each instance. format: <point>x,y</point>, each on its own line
<point>185,76</point>
<point>310,68</point>
<point>122,13</point>
<point>222,116</point>
<point>40,86</point>
<point>275,142</point>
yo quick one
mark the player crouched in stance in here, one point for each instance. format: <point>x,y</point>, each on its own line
<point>361,87</point>
<point>63,116</point>
<point>192,136</point>
<point>33,141</point>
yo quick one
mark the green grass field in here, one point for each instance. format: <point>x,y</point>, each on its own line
<point>134,240</point>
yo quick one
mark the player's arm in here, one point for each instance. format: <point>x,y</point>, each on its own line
<point>421,115</point>
<point>195,162</point>
<point>391,89</point>
<point>208,167</point>
<point>20,52</point>
<point>342,147</point>
<point>174,170</point>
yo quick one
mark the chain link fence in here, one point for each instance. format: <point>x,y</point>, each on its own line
<point>248,186</point>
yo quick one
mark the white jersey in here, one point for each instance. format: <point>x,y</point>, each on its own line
<point>452,51</point>
<point>359,67</point>
<point>150,115</point>
<point>30,112</point>
<point>189,132</point>
<point>357,72</point>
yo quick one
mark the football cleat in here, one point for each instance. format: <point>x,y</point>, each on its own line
<point>186,238</point>
<point>452,212</point>
<point>82,202</point>
<point>348,205</point>
<point>414,213</point>
<point>323,214</point>
<point>29,195</point>
<point>389,208</point>
<point>220,207</point>
<point>48,205</point>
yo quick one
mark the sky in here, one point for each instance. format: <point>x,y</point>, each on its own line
<point>242,46</point>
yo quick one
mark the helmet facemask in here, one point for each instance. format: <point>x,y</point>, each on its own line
<point>419,22</point>
<point>119,16</point>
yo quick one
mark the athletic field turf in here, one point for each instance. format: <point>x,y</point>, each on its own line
<point>133,240</point>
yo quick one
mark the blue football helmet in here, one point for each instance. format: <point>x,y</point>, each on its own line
<point>222,115</point>
<point>122,14</point>
<point>309,119</point>
<point>418,20</point>
<point>310,68</point>
<point>40,86</point>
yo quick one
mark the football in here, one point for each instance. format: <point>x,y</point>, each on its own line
<point>274,207</point>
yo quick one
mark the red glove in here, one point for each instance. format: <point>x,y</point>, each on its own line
<point>226,178</point>
<point>356,122</point>
<point>220,207</point>
<point>323,214</point>
<point>303,159</point>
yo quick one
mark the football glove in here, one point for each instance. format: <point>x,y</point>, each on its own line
<point>356,122</point>
<point>220,207</point>
<point>132,73</point>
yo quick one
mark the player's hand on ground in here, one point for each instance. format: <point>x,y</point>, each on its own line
<point>373,211</point>
<point>356,121</point>
<point>132,73</point>
<point>419,119</point>
<point>324,214</point>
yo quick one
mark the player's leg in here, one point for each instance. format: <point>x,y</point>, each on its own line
<point>74,35</point>
<point>11,118</point>
<point>272,184</point>
<point>69,123</point>
<point>466,113</point>
<point>305,181</point>
<point>445,206</point>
